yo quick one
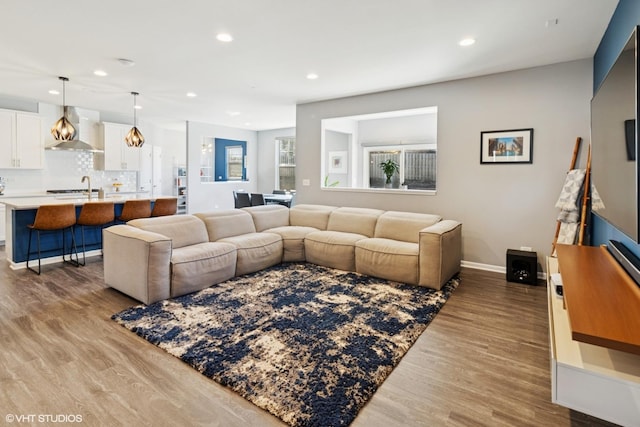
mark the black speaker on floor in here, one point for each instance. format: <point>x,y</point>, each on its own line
<point>522,266</point>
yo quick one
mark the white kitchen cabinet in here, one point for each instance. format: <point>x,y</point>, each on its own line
<point>117,155</point>
<point>21,140</point>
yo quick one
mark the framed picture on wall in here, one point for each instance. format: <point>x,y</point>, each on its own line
<point>338,161</point>
<point>506,146</point>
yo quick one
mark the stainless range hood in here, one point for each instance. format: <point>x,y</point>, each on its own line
<point>76,144</point>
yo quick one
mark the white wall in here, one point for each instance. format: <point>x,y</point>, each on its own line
<point>501,206</point>
<point>204,197</point>
<point>393,130</point>
<point>267,157</point>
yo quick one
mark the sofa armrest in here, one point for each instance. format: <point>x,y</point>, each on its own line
<point>440,253</point>
<point>137,262</point>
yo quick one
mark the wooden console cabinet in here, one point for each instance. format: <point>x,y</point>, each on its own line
<point>589,371</point>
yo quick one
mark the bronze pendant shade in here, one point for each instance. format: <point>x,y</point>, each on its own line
<point>134,138</point>
<point>63,130</point>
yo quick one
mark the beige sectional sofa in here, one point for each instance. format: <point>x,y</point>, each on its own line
<point>157,258</point>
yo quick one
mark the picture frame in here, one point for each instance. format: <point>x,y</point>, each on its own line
<point>338,161</point>
<point>506,146</point>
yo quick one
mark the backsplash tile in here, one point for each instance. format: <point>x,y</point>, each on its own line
<point>64,170</point>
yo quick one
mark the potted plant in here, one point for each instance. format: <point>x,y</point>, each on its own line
<point>389,168</point>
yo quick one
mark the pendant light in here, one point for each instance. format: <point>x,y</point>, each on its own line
<point>63,130</point>
<point>134,138</point>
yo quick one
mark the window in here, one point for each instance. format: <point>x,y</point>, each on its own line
<point>417,166</point>
<point>352,148</point>
<point>286,163</point>
<point>235,165</point>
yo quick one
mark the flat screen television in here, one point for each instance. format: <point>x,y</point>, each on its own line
<point>614,141</point>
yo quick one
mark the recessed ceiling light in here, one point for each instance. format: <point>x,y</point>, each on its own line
<point>224,37</point>
<point>192,94</point>
<point>54,92</point>
<point>312,76</point>
<point>233,113</point>
<point>137,107</point>
<point>100,73</point>
<point>467,42</point>
<point>247,123</point>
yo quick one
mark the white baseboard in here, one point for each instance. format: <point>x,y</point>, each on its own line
<point>494,268</point>
<point>50,260</point>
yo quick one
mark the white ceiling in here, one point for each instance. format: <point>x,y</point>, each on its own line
<point>355,46</point>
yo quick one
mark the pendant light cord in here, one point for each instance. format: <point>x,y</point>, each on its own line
<point>135,117</point>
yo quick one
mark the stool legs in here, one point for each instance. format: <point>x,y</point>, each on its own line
<point>84,248</point>
<point>72,249</point>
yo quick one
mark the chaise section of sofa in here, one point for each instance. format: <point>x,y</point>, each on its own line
<point>256,250</point>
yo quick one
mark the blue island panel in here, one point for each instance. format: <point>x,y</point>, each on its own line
<point>51,241</point>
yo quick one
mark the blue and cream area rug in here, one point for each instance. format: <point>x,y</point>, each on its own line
<point>307,343</point>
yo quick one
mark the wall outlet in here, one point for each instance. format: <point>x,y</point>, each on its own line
<point>306,182</point>
<point>526,248</point>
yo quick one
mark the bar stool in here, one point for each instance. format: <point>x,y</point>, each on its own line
<point>94,214</point>
<point>165,206</point>
<point>54,218</point>
<point>134,209</point>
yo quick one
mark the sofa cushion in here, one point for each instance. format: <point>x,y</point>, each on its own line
<point>256,251</point>
<point>403,226</point>
<point>183,230</point>
<point>227,223</point>
<point>388,259</point>
<point>268,216</point>
<point>354,220</point>
<point>292,241</point>
<point>335,249</point>
<point>316,216</point>
<point>199,266</point>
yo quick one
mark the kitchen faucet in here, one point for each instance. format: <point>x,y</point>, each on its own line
<point>88,183</point>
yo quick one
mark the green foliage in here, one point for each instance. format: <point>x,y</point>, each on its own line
<point>389,168</point>
<point>333,184</point>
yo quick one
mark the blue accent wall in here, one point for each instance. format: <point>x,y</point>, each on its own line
<point>624,19</point>
<point>221,157</point>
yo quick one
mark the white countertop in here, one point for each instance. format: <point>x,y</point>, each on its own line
<point>61,199</point>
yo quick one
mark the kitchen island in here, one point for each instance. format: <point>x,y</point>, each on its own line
<point>21,212</point>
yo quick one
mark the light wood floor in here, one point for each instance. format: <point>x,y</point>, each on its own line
<point>484,360</point>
